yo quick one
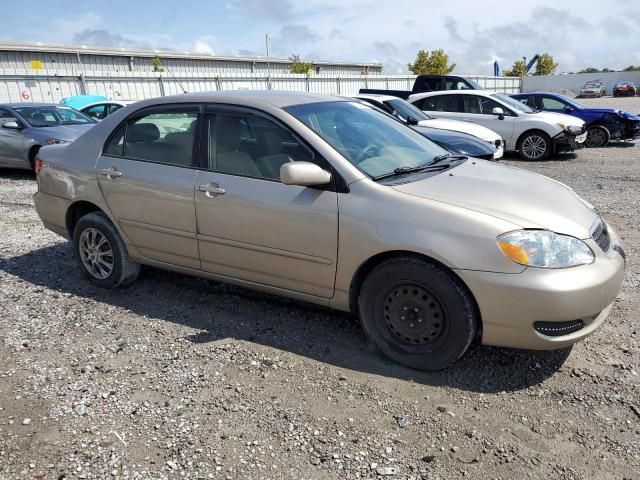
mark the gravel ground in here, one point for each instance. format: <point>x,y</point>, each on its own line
<point>178,377</point>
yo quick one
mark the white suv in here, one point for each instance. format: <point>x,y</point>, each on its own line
<point>534,134</point>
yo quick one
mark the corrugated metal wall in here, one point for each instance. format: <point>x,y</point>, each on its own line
<point>19,62</point>
<point>139,85</point>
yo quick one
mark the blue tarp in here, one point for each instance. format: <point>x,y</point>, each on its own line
<point>79,101</point>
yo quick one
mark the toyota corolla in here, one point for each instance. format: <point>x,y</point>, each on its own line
<point>331,201</point>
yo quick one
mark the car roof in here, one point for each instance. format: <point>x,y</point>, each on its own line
<point>30,104</point>
<point>280,99</point>
<point>376,96</point>
<point>482,93</point>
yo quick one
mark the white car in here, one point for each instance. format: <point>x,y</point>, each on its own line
<point>532,133</point>
<point>424,120</point>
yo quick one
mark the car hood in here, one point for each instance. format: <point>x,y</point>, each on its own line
<point>457,142</point>
<point>611,111</point>
<point>61,132</point>
<point>526,199</point>
<point>466,127</point>
<point>556,118</point>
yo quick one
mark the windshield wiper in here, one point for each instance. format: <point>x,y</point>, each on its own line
<point>447,156</point>
<point>427,167</point>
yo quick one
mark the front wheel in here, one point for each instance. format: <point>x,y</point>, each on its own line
<point>534,146</point>
<point>597,136</point>
<point>101,252</point>
<point>417,313</point>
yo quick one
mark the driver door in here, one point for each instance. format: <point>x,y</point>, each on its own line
<point>479,109</point>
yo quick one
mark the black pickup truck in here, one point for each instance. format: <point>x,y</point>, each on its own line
<point>429,83</point>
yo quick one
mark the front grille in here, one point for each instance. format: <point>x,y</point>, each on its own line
<point>558,329</point>
<point>600,235</point>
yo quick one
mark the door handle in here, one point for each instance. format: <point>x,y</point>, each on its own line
<point>212,190</point>
<point>110,172</point>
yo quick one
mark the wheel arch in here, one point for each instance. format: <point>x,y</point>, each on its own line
<point>33,151</point>
<point>371,263</point>
<point>76,211</point>
<point>528,131</point>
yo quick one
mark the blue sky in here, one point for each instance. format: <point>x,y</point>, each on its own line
<point>475,33</point>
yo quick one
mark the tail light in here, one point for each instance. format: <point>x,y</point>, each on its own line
<point>37,165</point>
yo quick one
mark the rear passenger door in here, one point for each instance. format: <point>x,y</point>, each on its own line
<point>441,106</point>
<point>252,227</point>
<point>146,174</point>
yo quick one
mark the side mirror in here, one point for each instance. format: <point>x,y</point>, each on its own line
<point>11,124</point>
<point>412,121</point>
<point>303,174</point>
<point>499,112</point>
<point>568,109</point>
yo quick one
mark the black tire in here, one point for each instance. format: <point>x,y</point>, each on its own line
<point>122,272</point>
<point>534,145</point>
<point>597,136</point>
<point>433,297</point>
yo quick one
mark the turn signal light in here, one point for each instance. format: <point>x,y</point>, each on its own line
<point>514,252</point>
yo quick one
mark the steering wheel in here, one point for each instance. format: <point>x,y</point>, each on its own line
<point>368,151</point>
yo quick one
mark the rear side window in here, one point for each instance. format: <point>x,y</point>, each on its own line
<point>114,108</point>
<point>440,103</point>
<point>97,112</point>
<point>162,137</point>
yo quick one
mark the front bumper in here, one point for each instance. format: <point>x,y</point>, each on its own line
<point>567,142</point>
<point>511,304</point>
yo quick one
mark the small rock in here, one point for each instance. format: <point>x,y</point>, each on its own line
<point>387,471</point>
<point>172,465</point>
<point>403,422</point>
<point>26,421</point>
<point>315,461</point>
<point>80,409</point>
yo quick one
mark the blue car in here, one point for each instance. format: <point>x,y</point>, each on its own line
<point>603,124</point>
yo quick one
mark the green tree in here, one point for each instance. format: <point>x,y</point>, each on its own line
<point>546,65</point>
<point>435,62</point>
<point>516,71</point>
<point>156,63</point>
<point>298,66</point>
<point>589,70</point>
<point>632,68</point>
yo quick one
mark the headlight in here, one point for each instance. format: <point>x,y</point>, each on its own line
<point>570,128</point>
<point>55,141</point>
<point>545,249</point>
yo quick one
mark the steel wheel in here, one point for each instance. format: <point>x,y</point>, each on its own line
<point>597,137</point>
<point>96,253</point>
<point>414,315</point>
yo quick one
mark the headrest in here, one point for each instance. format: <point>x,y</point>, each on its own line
<point>269,142</point>
<point>142,133</point>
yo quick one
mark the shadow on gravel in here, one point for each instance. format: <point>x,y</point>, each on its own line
<point>15,174</point>
<point>222,311</point>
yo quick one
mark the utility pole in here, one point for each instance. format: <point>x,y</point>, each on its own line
<point>266,43</point>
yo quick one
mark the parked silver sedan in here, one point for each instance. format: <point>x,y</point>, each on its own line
<point>334,202</point>
<point>26,127</point>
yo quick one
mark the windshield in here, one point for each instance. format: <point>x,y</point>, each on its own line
<point>475,84</point>
<point>404,110</point>
<point>374,142</point>
<point>52,116</point>
<point>513,103</point>
<point>592,84</point>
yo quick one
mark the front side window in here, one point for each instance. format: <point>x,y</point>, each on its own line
<point>369,139</point>
<point>161,137</point>
<point>549,103</point>
<point>52,116</point>
<point>250,145</point>
<point>440,103</point>
<point>5,115</point>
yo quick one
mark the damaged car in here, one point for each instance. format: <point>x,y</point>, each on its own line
<point>603,124</point>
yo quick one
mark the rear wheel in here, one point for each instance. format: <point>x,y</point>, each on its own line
<point>102,253</point>
<point>535,145</point>
<point>417,313</point>
<point>597,136</point>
